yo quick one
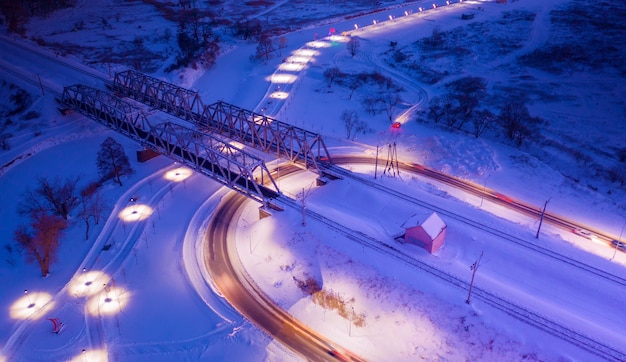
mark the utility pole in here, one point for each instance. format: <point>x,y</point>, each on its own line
<point>474,267</point>
<point>303,196</point>
<point>482,196</point>
<point>376,167</point>
<point>619,240</point>
<point>543,212</point>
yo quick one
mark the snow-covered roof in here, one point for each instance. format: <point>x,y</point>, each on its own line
<point>433,225</point>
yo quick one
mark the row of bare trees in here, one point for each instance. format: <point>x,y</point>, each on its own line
<point>17,13</point>
<point>461,106</point>
<point>50,204</point>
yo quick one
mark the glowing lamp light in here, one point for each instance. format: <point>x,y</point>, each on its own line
<point>318,44</point>
<point>434,6</point>
<point>406,13</point>
<point>447,2</point>
<point>94,355</point>
<point>390,17</point>
<point>87,283</point>
<point>109,301</point>
<point>291,67</point>
<point>136,212</point>
<point>279,95</point>
<point>299,59</point>
<point>236,144</point>
<point>356,27</point>
<point>178,175</point>
<point>374,21</point>
<point>306,52</point>
<point>283,78</point>
<point>31,305</point>
<point>420,8</point>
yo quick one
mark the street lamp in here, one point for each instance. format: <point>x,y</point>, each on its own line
<point>30,302</point>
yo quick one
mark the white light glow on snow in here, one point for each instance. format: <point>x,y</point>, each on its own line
<point>306,53</point>
<point>88,283</point>
<point>178,174</point>
<point>109,301</point>
<point>291,67</point>
<point>318,44</point>
<point>30,305</point>
<point>283,78</point>
<point>298,59</point>
<point>96,355</point>
<point>279,95</point>
<point>136,212</point>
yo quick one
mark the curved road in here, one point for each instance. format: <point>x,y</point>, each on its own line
<point>247,298</point>
<point>239,289</point>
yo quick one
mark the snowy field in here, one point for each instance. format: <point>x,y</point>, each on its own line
<point>137,290</point>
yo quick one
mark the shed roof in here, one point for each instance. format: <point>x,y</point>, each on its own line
<point>433,225</point>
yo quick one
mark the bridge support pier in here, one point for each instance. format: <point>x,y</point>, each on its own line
<point>264,212</point>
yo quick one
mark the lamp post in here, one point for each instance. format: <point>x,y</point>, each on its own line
<point>30,302</point>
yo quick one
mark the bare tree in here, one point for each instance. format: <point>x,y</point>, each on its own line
<point>282,44</point>
<point>331,74</point>
<point>390,100</point>
<point>482,120</point>
<point>354,83</point>
<point>370,104</point>
<point>353,45</point>
<point>265,47</point>
<point>517,122</point>
<point>467,92</point>
<point>53,196</point>
<point>451,110</point>
<point>435,111</point>
<point>15,15</point>
<point>210,50</point>
<point>112,161</point>
<point>353,124</point>
<point>41,242</point>
<point>93,206</point>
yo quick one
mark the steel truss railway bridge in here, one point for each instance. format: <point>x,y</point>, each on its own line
<point>256,130</point>
<point>207,154</point>
<point>199,147</point>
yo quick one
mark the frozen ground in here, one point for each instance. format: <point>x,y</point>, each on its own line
<point>165,309</point>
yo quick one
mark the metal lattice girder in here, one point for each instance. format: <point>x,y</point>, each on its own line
<point>164,96</point>
<point>259,131</point>
<point>268,134</point>
<point>107,109</point>
<point>234,167</point>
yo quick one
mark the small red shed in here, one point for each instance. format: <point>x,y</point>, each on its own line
<point>426,231</point>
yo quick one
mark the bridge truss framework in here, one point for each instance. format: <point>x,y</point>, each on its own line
<point>207,154</point>
<point>256,130</point>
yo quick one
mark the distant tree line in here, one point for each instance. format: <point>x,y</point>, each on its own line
<point>460,108</point>
<point>50,204</point>
<point>17,13</point>
<point>196,41</point>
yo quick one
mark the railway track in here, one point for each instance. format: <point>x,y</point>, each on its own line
<point>555,220</point>
<point>515,310</point>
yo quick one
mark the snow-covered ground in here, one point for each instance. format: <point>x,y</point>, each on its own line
<point>148,297</point>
